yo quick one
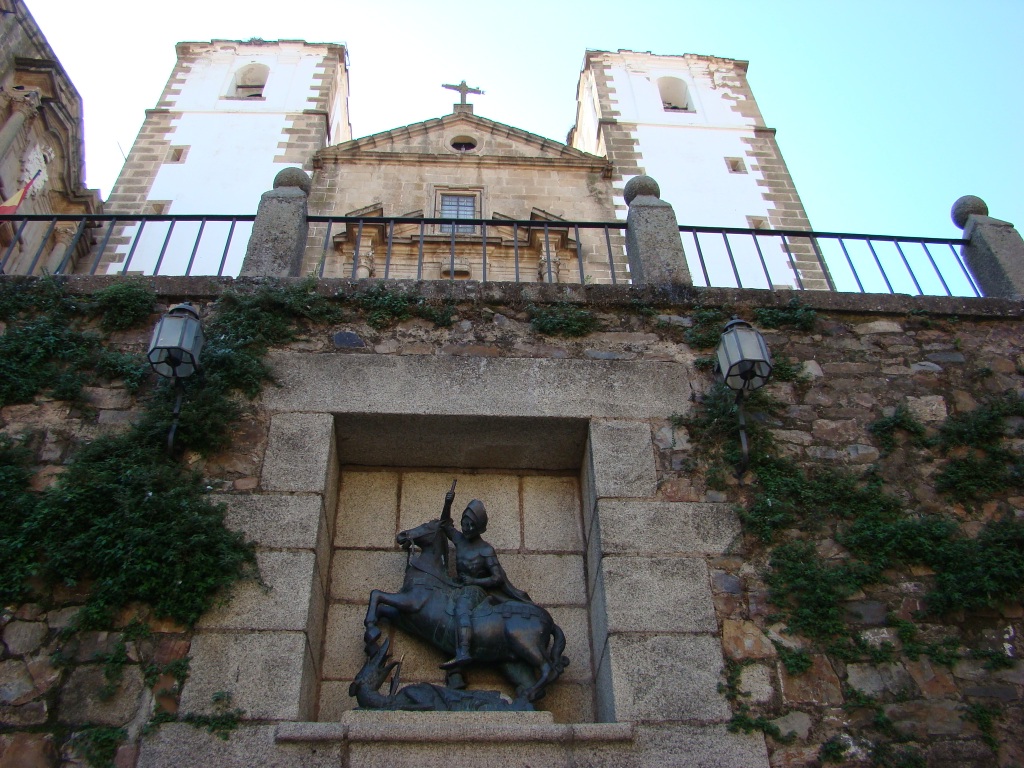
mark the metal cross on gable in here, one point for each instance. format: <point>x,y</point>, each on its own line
<point>463,89</point>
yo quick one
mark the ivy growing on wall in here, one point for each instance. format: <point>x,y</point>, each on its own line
<point>45,350</point>
<point>793,315</point>
<point>706,329</point>
<point>563,319</point>
<point>877,532</point>
<point>984,466</point>
<point>383,307</point>
<point>124,516</point>
<point>875,527</point>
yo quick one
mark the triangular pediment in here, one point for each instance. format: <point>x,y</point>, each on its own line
<point>460,137</point>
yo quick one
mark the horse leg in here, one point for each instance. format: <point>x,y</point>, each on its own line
<point>519,675</point>
<point>372,632</point>
<point>385,605</point>
<point>531,650</point>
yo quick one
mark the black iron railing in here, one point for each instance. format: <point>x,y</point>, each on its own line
<point>517,250</point>
<point>837,261</point>
<point>485,249</point>
<point>123,244</point>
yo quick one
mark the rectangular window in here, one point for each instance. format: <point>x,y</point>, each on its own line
<point>458,207</point>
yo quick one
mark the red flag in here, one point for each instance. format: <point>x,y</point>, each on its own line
<point>10,205</point>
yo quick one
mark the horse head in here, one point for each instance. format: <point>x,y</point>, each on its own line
<point>432,557</point>
<point>421,536</point>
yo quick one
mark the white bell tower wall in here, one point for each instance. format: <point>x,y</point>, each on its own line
<point>233,114</point>
<point>692,123</point>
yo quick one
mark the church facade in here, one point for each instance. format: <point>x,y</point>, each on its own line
<point>238,112</point>
<point>462,166</point>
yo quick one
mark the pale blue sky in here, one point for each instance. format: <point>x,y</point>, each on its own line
<point>886,111</point>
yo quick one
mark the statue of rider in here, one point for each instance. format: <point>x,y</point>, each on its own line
<point>478,573</point>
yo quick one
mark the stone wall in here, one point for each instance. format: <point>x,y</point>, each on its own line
<point>602,504</point>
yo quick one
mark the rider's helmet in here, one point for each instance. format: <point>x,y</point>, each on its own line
<point>475,509</point>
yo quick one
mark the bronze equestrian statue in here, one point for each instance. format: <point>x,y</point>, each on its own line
<point>478,616</point>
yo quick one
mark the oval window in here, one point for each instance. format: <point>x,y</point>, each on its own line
<point>463,143</point>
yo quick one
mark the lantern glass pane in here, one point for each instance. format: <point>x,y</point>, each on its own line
<point>169,331</point>
<point>730,348</point>
<point>751,344</point>
<point>726,359</point>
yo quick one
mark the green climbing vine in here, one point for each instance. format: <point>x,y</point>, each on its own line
<point>985,717</point>
<point>785,369</point>
<point>983,466</point>
<point>98,745</point>
<point>124,516</point>
<point>790,509</point>
<point>221,722</point>
<point>885,430</point>
<point>384,307</point>
<point>46,350</point>
<point>562,319</point>
<point>794,315</point>
<point>742,719</point>
<point>873,525</point>
<point>706,329</point>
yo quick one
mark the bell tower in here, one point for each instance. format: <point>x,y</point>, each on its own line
<point>692,123</point>
<point>232,115</point>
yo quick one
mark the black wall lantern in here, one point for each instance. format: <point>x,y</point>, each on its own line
<point>745,364</point>
<point>174,352</point>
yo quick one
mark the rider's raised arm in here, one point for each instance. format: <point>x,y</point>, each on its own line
<point>446,514</point>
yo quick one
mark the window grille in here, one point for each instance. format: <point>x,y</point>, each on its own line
<point>458,207</point>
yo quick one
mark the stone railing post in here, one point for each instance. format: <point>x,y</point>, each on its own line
<point>653,246</point>
<point>995,251</point>
<point>278,239</point>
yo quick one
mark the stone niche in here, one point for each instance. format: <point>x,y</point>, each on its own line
<point>394,475</point>
<point>562,452</point>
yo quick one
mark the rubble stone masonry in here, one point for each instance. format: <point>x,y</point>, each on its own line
<point>637,547</point>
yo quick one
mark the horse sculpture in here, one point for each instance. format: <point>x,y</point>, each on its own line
<point>520,637</point>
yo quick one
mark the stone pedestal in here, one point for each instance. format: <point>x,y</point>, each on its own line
<point>994,252</point>
<point>653,246</point>
<point>995,256</point>
<point>429,722</point>
<point>278,238</point>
